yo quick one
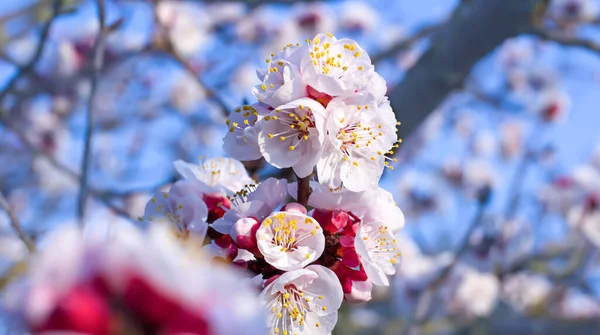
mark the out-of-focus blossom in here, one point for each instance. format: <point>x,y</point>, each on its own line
<point>484,144</point>
<point>186,93</point>
<point>525,292</point>
<point>516,52</point>
<point>303,301</point>
<point>568,13</point>
<point>586,218</point>
<point>187,25</point>
<point>575,305</point>
<point>111,284</point>
<point>511,139</point>
<point>472,293</point>
<point>313,18</point>
<point>552,105</point>
<point>358,16</point>
<point>499,243</point>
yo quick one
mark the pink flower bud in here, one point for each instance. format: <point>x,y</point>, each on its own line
<point>243,233</point>
<point>360,291</point>
<point>294,208</point>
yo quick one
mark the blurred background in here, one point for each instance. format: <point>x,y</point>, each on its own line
<point>498,174</point>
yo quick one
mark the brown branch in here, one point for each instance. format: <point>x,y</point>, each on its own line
<point>16,225</point>
<point>407,43</point>
<point>89,131</point>
<point>303,190</point>
<point>30,66</point>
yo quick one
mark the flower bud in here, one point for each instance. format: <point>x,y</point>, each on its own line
<point>360,291</point>
<point>294,207</point>
<point>243,233</point>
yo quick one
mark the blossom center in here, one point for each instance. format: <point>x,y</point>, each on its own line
<point>299,123</point>
<point>290,309</point>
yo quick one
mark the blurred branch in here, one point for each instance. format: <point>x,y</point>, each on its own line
<point>30,66</point>
<point>566,40</point>
<point>106,199</point>
<point>407,43</point>
<point>514,194</point>
<point>476,28</point>
<point>16,225</point>
<point>426,298</point>
<point>163,44</point>
<point>97,61</point>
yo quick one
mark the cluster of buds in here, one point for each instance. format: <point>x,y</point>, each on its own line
<point>320,106</point>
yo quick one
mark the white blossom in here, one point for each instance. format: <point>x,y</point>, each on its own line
<point>360,132</point>
<point>303,301</point>
<point>221,175</point>
<point>290,240</point>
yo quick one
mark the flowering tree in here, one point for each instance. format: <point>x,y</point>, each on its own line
<point>284,219</point>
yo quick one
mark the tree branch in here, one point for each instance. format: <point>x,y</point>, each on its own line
<point>98,59</point>
<point>407,43</point>
<point>303,190</point>
<point>16,225</point>
<point>30,66</point>
<point>566,40</point>
<point>475,29</point>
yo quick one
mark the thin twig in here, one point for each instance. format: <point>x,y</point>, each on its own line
<point>105,198</point>
<point>566,40</point>
<point>514,194</point>
<point>162,43</point>
<point>30,66</point>
<point>16,225</point>
<point>425,300</point>
<point>407,43</point>
<point>97,67</point>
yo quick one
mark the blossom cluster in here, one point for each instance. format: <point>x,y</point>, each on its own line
<point>305,245</point>
<point>320,106</point>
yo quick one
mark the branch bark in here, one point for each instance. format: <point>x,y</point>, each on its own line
<point>475,29</point>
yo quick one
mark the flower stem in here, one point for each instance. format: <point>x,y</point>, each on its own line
<point>303,190</point>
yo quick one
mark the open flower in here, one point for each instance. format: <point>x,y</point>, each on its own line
<point>378,251</point>
<point>223,176</point>
<point>183,211</point>
<point>360,131</point>
<point>337,67</point>
<point>303,301</point>
<point>292,136</point>
<point>241,140</point>
<point>255,202</point>
<point>290,240</point>
<point>282,81</point>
